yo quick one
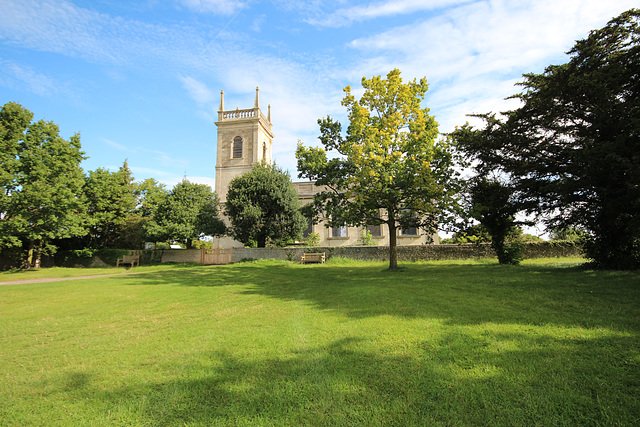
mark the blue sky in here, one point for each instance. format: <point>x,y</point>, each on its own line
<point>141,80</point>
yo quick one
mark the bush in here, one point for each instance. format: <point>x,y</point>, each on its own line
<point>367,238</point>
<point>512,253</point>
<point>313,239</point>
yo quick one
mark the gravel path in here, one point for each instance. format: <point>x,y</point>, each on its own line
<point>58,279</point>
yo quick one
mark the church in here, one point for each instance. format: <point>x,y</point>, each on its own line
<point>245,138</point>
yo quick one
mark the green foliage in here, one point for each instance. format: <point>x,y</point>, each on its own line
<point>473,234</point>
<point>149,194</point>
<point>366,238</point>
<point>571,150</point>
<point>530,238</point>
<point>389,161</point>
<point>110,201</point>
<point>313,239</point>
<point>189,212</point>
<point>493,206</point>
<point>511,253</point>
<point>199,244</point>
<point>568,234</point>
<point>40,186</point>
<point>262,206</point>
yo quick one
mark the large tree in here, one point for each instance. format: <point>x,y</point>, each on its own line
<point>110,203</point>
<point>40,182</point>
<point>189,212</point>
<point>390,167</point>
<point>491,198</point>
<point>573,148</point>
<point>149,194</point>
<point>262,206</point>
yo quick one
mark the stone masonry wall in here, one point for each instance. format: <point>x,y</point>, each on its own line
<point>407,253</point>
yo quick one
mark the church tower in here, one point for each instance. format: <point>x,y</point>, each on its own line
<point>244,139</point>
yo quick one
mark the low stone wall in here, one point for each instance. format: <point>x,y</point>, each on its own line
<point>181,255</point>
<point>408,253</point>
<point>107,257</point>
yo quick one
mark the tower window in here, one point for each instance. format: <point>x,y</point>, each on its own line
<point>264,151</point>
<point>237,147</point>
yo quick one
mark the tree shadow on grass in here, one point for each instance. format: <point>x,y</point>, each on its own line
<point>457,294</point>
<point>451,380</point>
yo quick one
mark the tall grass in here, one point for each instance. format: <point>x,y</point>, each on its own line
<point>347,343</point>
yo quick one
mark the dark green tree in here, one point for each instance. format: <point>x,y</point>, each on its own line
<point>491,197</point>
<point>492,204</point>
<point>570,234</point>
<point>40,182</point>
<point>390,167</point>
<point>149,194</point>
<point>263,207</point>
<point>189,212</point>
<point>110,203</point>
<point>572,151</point>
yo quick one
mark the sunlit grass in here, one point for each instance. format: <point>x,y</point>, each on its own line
<point>346,343</point>
<point>63,272</point>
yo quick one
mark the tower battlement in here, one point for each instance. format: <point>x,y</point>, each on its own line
<point>245,138</point>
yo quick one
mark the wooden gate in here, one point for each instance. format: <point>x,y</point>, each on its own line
<point>216,256</point>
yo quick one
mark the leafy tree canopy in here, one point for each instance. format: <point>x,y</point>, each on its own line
<point>189,212</point>
<point>389,168</point>
<point>41,182</point>
<point>149,194</point>
<point>572,151</point>
<point>110,200</point>
<point>262,206</point>
<point>473,234</point>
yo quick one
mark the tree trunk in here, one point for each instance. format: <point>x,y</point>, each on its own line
<point>38,256</point>
<point>262,241</point>
<point>29,260</point>
<point>393,250</point>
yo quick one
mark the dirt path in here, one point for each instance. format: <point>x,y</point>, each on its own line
<point>60,279</point>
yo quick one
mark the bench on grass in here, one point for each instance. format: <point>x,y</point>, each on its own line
<point>312,257</point>
<point>132,260</point>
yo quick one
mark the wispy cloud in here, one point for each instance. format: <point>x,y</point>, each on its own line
<point>117,146</point>
<point>64,28</point>
<point>24,77</point>
<point>197,90</point>
<point>137,170</point>
<point>218,7</point>
<point>472,54</point>
<point>166,159</point>
<point>345,16</point>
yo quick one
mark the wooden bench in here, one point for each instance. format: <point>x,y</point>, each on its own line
<point>312,257</point>
<point>132,260</point>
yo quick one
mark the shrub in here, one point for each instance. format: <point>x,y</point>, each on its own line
<point>313,239</point>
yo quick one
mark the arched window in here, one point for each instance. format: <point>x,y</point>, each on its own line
<point>237,147</point>
<point>264,151</point>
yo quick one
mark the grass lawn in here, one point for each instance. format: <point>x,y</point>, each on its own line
<point>345,343</point>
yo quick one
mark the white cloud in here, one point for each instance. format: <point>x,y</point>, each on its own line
<point>258,22</point>
<point>346,16</point>
<point>217,7</point>
<point>117,146</point>
<point>197,90</point>
<point>171,180</point>
<point>166,159</point>
<point>474,53</point>
<point>471,54</point>
<point>23,77</point>
<point>137,170</point>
